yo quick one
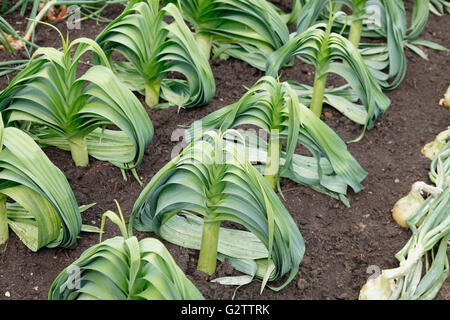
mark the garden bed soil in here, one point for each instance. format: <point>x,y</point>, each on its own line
<point>342,244</point>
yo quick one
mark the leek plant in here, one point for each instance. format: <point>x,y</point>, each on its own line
<point>249,30</point>
<point>275,108</point>
<point>424,264</point>
<point>212,177</point>
<point>153,49</point>
<point>326,50</point>
<point>58,109</point>
<point>43,210</point>
<point>124,268</point>
<point>379,20</point>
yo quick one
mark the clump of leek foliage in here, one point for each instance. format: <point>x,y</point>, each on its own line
<point>326,50</point>
<point>58,109</point>
<point>123,268</point>
<point>378,20</point>
<point>213,178</point>
<point>153,49</point>
<point>439,7</point>
<point>43,210</point>
<point>423,262</point>
<point>274,107</point>
<point>248,30</point>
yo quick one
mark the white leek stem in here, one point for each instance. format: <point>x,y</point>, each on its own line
<point>4,233</point>
<point>205,43</point>
<point>152,91</point>
<point>78,149</point>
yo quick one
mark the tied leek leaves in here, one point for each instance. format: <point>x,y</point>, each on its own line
<point>124,268</point>
<point>154,49</point>
<point>274,107</point>
<point>212,178</point>
<point>93,114</point>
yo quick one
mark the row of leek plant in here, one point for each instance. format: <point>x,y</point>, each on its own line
<point>228,25</point>
<point>161,49</point>
<point>423,261</point>
<point>44,212</point>
<point>34,97</point>
<point>274,107</point>
<point>246,29</point>
<point>212,178</point>
<point>331,169</point>
<point>153,50</point>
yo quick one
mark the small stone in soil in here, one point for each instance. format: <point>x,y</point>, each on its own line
<point>302,284</point>
<point>328,115</point>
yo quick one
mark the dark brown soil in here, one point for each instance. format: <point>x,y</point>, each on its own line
<point>341,243</point>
